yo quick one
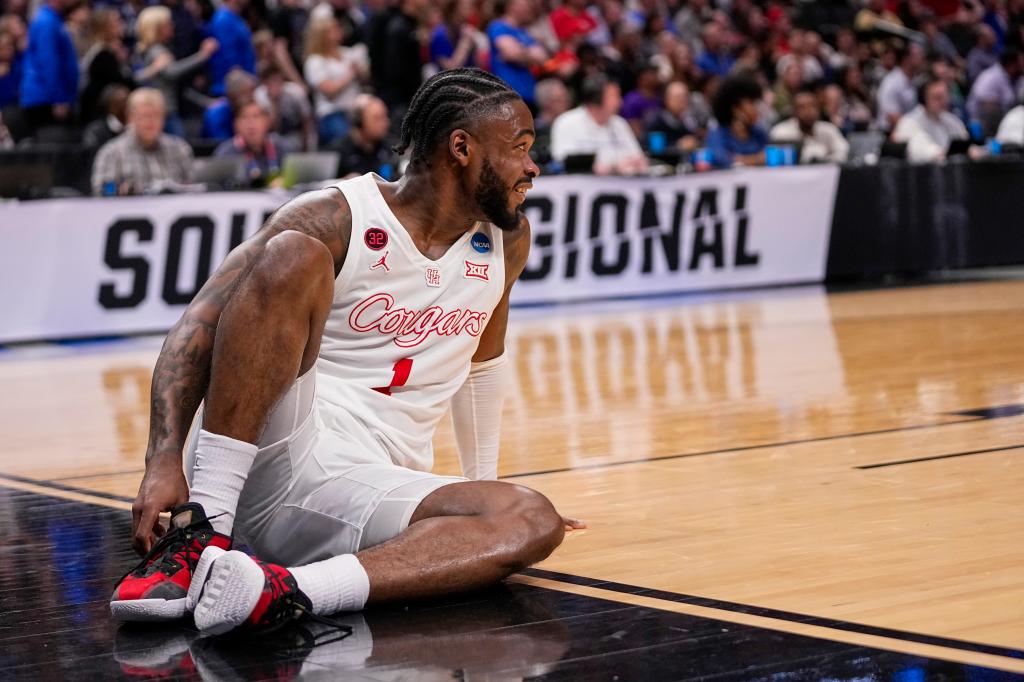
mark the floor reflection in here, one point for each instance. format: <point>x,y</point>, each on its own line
<point>503,632</point>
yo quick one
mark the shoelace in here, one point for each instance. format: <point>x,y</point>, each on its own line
<point>291,609</point>
<point>338,631</point>
<point>175,536</point>
<point>340,628</point>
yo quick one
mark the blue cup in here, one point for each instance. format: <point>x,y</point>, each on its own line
<point>977,132</point>
<point>995,148</point>
<point>773,156</point>
<point>656,141</point>
<point>702,159</point>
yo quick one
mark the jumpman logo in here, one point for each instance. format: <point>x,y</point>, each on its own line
<point>382,263</point>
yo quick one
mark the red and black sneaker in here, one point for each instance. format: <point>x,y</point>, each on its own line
<point>242,591</point>
<point>156,589</point>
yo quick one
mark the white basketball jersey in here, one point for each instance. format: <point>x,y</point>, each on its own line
<point>402,329</point>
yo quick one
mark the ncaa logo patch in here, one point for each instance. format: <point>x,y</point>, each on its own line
<point>480,242</point>
<point>375,238</point>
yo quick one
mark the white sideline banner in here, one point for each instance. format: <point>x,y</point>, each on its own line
<point>613,237</point>
<point>95,267</point>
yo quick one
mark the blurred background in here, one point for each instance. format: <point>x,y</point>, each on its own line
<point>685,144</point>
<point>135,97</point>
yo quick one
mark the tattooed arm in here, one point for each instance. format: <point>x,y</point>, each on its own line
<point>182,370</point>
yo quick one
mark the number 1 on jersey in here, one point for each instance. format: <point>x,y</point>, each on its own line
<point>401,371</point>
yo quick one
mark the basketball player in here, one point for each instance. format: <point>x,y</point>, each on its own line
<point>327,348</point>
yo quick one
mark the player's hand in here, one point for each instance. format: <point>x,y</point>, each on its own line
<point>163,488</point>
<point>573,524</point>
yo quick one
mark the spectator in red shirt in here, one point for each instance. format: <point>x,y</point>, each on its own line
<point>572,20</point>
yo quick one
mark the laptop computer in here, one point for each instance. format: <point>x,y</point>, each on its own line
<point>219,172</point>
<point>306,167</point>
<point>958,148</point>
<point>579,163</point>
<point>864,144</point>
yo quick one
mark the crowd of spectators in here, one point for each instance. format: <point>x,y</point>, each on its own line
<point>618,84</point>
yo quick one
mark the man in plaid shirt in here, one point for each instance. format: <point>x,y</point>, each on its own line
<point>142,159</point>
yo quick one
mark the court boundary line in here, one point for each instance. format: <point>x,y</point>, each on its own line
<point>744,448</point>
<point>932,458</point>
<point>805,629</point>
<point>72,495</point>
<point>64,488</point>
<point>124,472</point>
<point>777,614</point>
<point>974,415</point>
<point>55,483</point>
<point>930,646</point>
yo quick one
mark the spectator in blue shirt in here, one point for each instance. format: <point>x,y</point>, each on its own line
<point>49,82</point>
<point>453,43</point>
<point>716,59</point>
<point>513,50</point>
<point>236,48</point>
<point>219,117</point>
<point>10,70</point>
<point>737,139</point>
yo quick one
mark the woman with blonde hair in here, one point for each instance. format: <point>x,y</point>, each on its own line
<point>105,62</point>
<point>155,63</point>
<point>334,72</point>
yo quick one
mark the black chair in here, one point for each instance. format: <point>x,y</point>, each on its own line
<point>21,178</point>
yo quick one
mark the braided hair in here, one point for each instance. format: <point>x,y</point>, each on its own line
<point>446,101</point>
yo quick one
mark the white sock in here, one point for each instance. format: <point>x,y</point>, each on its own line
<point>222,465</point>
<point>333,585</point>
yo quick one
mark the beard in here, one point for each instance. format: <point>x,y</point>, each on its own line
<point>492,196</point>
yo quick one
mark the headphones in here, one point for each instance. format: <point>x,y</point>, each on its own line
<point>356,117</point>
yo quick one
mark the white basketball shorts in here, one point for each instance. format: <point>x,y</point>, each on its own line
<point>312,494</point>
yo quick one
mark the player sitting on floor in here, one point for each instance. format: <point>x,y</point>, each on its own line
<point>325,350</point>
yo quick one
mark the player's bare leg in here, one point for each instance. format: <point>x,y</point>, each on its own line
<point>461,537</point>
<point>268,335</point>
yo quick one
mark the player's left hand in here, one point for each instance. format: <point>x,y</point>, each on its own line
<point>573,524</point>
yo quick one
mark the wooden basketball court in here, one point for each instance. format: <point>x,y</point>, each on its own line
<point>784,481</point>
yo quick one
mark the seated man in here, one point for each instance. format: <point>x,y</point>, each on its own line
<point>142,159</point>
<point>218,119</point>
<point>263,150</point>
<point>930,127</point>
<point>820,140</point>
<point>595,127</point>
<point>995,90</point>
<point>290,113</point>
<point>114,100</point>
<point>363,149</point>
<point>1011,128</point>
<point>738,139</point>
<point>325,351</point>
<point>645,101</point>
<point>675,120</point>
